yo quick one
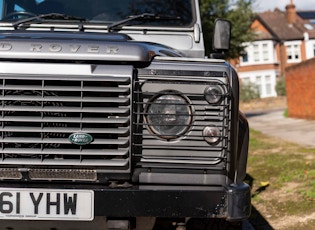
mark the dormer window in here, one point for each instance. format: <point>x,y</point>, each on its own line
<point>293,51</point>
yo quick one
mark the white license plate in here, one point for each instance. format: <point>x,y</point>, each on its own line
<point>46,204</point>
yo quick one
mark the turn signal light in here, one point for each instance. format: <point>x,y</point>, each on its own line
<point>211,134</point>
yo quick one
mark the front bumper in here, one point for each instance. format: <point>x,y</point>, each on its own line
<point>231,203</point>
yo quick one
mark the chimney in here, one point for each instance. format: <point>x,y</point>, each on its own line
<point>290,13</point>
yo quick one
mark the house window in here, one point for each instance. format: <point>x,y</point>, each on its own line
<point>258,83</point>
<point>264,82</point>
<point>256,53</point>
<point>293,53</point>
<point>268,85</point>
<point>246,80</point>
<point>245,57</point>
<point>265,52</point>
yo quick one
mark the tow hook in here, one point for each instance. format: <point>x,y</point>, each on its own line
<point>117,184</point>
<point>181,226</point>
<point>118,225</point>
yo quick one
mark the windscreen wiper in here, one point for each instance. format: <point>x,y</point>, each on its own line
<point>54,16</point>
<point>145,16</point>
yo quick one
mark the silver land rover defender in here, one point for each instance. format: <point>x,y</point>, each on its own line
<point>110,109</point>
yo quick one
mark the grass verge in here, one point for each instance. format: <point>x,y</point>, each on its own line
<point>282,177</point>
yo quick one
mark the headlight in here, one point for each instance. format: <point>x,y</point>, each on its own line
<point>169,115</point>
<point>213,94</point>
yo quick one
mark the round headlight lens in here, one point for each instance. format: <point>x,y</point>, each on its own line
<point>213,94</point>
<point>169,115</point>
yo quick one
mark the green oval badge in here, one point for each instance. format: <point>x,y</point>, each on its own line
<point>80,138</point>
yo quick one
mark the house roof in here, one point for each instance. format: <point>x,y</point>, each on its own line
<point>276,23</point>
<point>280,29</point>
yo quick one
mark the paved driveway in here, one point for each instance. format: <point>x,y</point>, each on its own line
<point>273,123</point>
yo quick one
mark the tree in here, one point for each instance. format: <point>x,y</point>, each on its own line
<point>280,87</point>
<point>240,14</point>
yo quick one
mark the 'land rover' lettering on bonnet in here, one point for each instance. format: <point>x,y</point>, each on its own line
<point>56,48</point>
<point>4,46</point>
<point>74,48</point>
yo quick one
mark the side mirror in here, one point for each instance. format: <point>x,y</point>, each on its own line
<point>221,35</point>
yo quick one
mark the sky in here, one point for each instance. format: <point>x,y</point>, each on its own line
<point>263,5</point>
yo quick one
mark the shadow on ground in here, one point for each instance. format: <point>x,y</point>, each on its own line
<point>256,218</point>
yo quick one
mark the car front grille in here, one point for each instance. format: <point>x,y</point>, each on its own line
<point>39,112</point>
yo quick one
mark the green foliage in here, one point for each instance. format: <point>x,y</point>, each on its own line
<point>248,92</point>
<point>241,16</point>
<point>280,87</point>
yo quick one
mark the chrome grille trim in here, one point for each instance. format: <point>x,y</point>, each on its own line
<point>49,162</point>
<point>65,99</point>
<point>106,152</point>
<point>40,110</point>
<point>121,131</point>
<point>65,109</point>
<point>66,120</point>
<point>70,88</point>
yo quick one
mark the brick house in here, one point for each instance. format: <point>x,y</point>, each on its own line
<point>300,84</point>
<point>284,38</point>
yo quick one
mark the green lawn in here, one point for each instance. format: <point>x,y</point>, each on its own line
<point>282,176</point>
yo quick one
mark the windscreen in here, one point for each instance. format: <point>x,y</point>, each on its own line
<point>172,12</point>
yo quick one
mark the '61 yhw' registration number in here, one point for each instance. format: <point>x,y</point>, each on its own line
<point>46,204</point>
